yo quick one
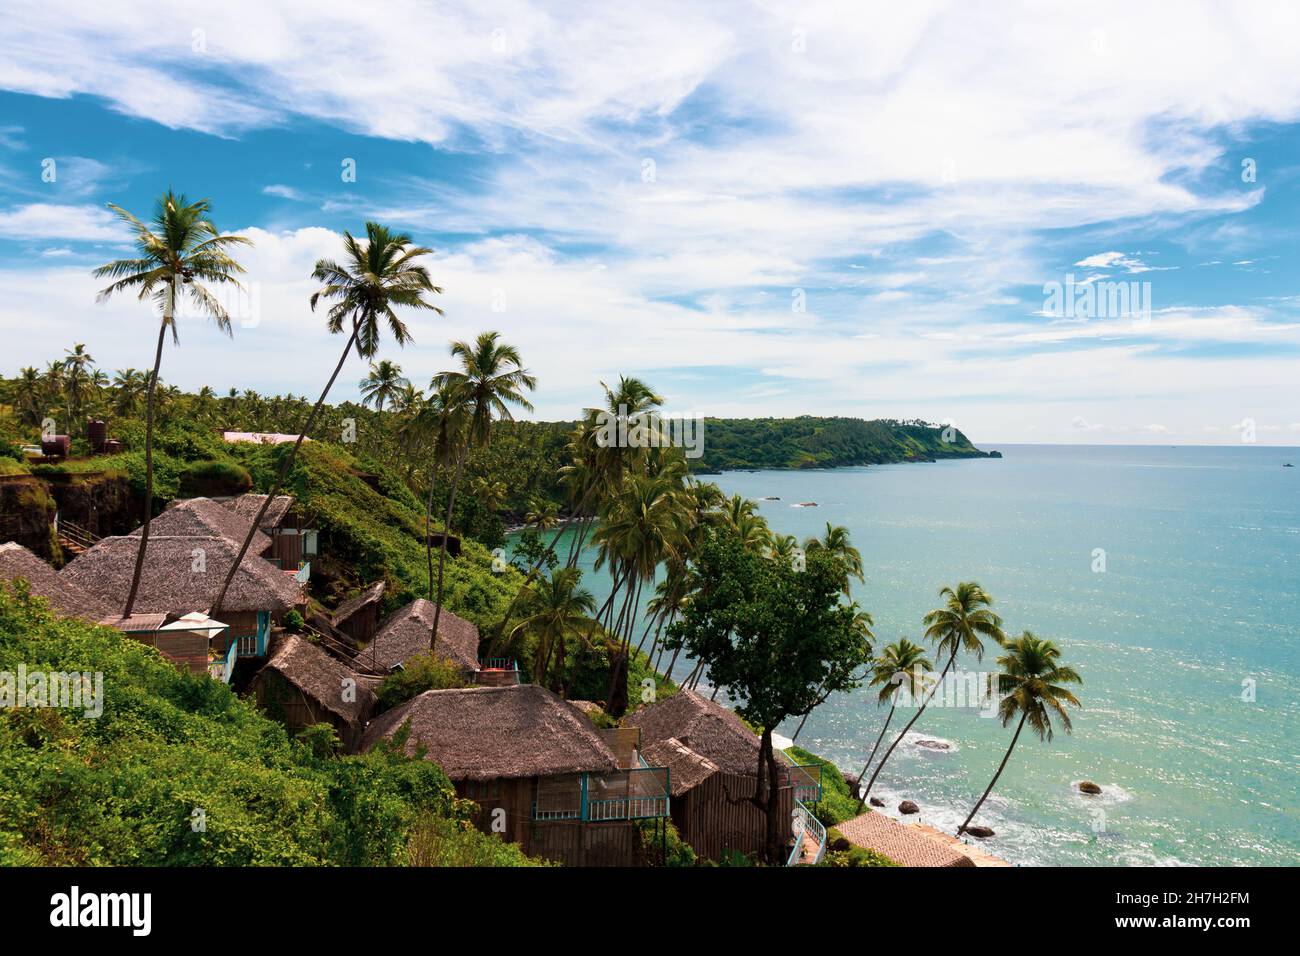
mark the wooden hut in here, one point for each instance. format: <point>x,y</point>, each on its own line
<point>405,634</point>
<point>192,641</point>
<point>183,573</point>
<point>301,685</point>
<point>289,529</point>
<point>66,598</point>
<point>358,617</point>
<point>542,776</point>
<point>205,517</point>
<point>712,758</point>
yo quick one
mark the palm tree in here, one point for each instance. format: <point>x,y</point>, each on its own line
<point>491,379</point>
<point>901,663</point>
<point>1030,683</point>
<point>836,542</point>
<point>78,379</point>
<point>178,251</point>
<point>30,390</point>
<point>542,514</point>
<point>127,385</point>
<point>373,278</point>
<point>963,622</point>
<point>553,608</point>
<point>382,387</point>
<point>490,494</point>
<point>445,418</point>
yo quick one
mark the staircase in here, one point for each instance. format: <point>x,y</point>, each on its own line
<point>73,539</point>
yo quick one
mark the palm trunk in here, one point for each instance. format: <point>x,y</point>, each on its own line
<point>148,461</point>
<point>803,720</point>
<point>442,556</point>
<point>284,471</point>
<point>899,739</point>
<point>962,829</point>
<point>428,526</point>
<point>872,755</point>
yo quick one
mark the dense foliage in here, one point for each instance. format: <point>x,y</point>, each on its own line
<point>179,771</point>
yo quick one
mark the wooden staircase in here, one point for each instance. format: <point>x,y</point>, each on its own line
<point>73,538</point>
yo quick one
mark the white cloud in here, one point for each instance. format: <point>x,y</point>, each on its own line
<point>282,192</point>
<point>37,221</point>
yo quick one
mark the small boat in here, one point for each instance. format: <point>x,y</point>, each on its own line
<point>806,504</point>
<point>1288,465</point>
<point>772,498</point>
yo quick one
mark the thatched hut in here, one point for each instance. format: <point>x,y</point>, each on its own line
<point>405,634</point>
<point>206,518</point>
<point>183,573</point>
<point>712,757</point>
<point>358,617</point>
<point>301,685</point>
<point>192,641</point>
<point>541,774</point>
<point>65,597</point>
<point>288,528</point>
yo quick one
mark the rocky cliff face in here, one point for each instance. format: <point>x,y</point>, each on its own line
<point>27,515</point>
<point>102,504</point>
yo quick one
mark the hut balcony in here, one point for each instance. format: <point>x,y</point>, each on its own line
<point>636,794</point>
<point>221,666</point>
<point>497,672</point>
<point>806,779</point>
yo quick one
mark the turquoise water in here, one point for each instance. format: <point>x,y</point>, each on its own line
<point>1200,593</point>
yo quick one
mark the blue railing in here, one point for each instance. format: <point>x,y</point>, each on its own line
<point>498,664</point>
<point>806,824</point>
<point>304,572</point>
<point>222,668</point>
<point>643,794</point>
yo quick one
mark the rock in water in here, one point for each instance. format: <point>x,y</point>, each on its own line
<point>877,802</point>
<point>907,807</point>
<point>1087,786</point>
<point>934,745</point>
<point>982,832</point>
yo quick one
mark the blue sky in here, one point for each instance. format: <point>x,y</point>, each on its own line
<point>761,209</point>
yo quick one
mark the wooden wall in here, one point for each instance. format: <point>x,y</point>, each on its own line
<point>711,823</point>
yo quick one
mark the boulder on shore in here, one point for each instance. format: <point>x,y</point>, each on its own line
<point>852,781</point>
<point>877,802</point>
<point>1087,786</point>
<point>907,807</point>
<point>982,832</point>
<point>840,845</point>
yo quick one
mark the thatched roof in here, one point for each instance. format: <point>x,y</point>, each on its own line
<point>491,733</point>
<point>321,677</point>
<point>686,769</point>
<point>405,633</point>
<point>66,597</point>
<point>369,595</point>
<point>205,517</point>
<point>246,507</point>
<point>137,623</point>
<point>905,844</point>
<point>708,728</point>
<point>174,581</point>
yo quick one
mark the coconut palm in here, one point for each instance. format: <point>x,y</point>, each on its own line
<point>128,385</point>
<point>836,542</point>
<point>1031,686</point>
<point>177,252</point>
<point>374,277</point>
<point>900,665</point>
<point>491,378</point>
<point>490,494</point>
<point>963,623</point>
<point>78,379</point>
<point>30,392</point>
<point>384,383</point>
<point>445,418</point>
<point>553,608</point>
<point>542,514</point>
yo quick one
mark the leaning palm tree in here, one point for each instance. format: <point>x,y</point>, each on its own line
<point>901,664</point>
<point>491,378</point>
<point>542,514</point>
<point>373,278</point>
<point>1031,684</point>
<point>963,622</point>
<point>177,252</point>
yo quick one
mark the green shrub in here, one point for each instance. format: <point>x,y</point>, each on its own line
<point>854,855</point>
<point>437,841</point>
<point>837,803</point>
<point>293,621</point>
<point>668,846</point>
<point>209,479</point>
<point>420,673</point>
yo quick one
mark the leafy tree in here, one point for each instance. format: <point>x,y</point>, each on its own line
<point>779,639</point>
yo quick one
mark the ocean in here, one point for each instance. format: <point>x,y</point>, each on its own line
<point>1170,579</point>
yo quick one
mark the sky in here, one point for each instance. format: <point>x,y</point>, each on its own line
<point>1041,223</point>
